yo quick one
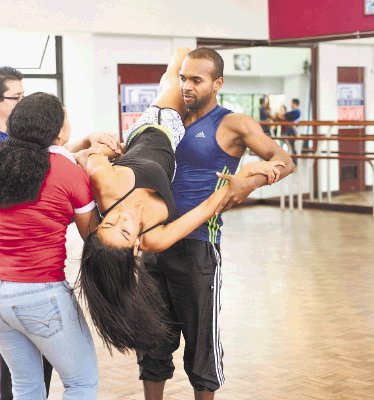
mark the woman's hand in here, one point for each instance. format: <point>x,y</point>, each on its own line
<point>109,139</point>
<point>266,168</point>
<point>81,156</point>
<point>239,189</point>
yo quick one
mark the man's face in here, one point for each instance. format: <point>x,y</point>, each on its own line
<point>15,89</point>
<point>196,82</point>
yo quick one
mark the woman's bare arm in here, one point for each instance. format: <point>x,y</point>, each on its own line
<point>87,222</point>
<point>164,236</point>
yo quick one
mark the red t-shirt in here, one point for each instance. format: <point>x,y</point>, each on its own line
<point>32,234</point>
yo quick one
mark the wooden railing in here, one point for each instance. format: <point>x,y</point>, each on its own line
<point>317,153</point>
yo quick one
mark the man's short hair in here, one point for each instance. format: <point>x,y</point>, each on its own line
<point>296,101</point>
<point>8,74</point>
<point>212,55</point>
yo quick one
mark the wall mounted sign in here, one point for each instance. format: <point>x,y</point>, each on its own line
<point>134,100</point>
<point>242,62</point>
<point>351,102</point>
<point>369,7</point>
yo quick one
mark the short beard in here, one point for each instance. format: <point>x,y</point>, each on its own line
<point>199,103</point>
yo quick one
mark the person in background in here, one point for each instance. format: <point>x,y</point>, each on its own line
<point>11,92</point>
<point>280,117</point>
<point>265,115</point>
<point>293,116</point>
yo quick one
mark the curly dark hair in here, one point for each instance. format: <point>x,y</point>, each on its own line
<point>33,125</point>
<point>122,297</point>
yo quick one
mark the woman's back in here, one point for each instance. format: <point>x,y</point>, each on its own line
<point>32,234</point>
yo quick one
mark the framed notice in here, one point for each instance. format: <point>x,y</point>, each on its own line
<point>136,98</point>
<point>242,62</point>
<point>350,98</point>
<point>369,7</point>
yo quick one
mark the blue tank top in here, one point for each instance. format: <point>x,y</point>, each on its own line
<point>198,158</point>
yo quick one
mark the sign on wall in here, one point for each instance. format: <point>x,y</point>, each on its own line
<point>136,98</point>
<point>369,7</point>
<point>351,101</point>
<point>242,62</point>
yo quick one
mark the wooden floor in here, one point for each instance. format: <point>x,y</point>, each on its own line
<point>357,198</point>
<point>298,311</point>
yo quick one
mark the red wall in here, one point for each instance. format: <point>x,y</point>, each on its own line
<point>304,18</point>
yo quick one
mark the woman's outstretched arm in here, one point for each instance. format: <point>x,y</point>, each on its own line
<point>164,236</point>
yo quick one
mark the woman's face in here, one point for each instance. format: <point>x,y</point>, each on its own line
<point>119,228</point>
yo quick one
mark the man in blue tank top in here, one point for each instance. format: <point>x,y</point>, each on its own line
<point>189,273</point>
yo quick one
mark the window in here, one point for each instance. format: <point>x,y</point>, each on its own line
<point>38,56</point>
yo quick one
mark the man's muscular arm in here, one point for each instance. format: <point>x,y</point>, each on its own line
<point>243,132</point>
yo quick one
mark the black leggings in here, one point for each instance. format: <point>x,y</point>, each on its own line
<point>6,382</point>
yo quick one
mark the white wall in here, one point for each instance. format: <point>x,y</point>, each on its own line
<point>252,85</point>
<point>240,19</point>
<point>80,91</point>
<point>268,61</point>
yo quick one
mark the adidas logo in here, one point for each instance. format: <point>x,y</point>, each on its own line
<point>200,134</point>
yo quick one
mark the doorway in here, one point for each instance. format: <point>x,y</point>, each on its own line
<point>351,107</point>
<point>138,85</point>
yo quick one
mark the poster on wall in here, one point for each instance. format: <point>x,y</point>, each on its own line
<point>351,105</point>
<point>135,98</point>
<point>369,7</point>
<point>242,62</point>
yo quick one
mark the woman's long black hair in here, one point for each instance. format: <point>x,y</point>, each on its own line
<point>33,125</point>
<point>122,297</point>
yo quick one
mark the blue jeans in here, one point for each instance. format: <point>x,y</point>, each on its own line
<point>45,318</point>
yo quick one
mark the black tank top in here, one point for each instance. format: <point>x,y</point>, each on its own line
<point>151,158</point>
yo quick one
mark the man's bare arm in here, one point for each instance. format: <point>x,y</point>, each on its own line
<point>246,132</point>
<point>249,134</point>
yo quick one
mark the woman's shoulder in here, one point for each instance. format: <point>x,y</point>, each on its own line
<point>66,169</point>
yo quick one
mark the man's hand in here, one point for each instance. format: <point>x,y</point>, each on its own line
<point>239,189</point>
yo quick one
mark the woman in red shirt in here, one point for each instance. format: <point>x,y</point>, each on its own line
<point>42,190</point>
